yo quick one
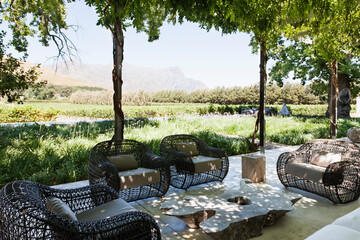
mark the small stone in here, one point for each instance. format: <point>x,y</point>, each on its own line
<point>354,134</point>
<point>245,181</point>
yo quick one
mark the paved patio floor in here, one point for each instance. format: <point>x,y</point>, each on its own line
<point>310,214</point>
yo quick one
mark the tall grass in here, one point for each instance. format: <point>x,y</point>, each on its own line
<point>59,154</point>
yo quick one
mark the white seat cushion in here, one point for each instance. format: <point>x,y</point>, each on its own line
<point>305,171</point>
<point>335,232</point>
<point>323,158</point>
<point>205,164</point>
<point>138,177</point>
<point>104,211</point>
<point>350,220</point>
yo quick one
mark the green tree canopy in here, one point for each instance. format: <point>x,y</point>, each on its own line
<point>300,61</point>
<point>44,20</point>
<point>13,78</point>
<point>332,27</point>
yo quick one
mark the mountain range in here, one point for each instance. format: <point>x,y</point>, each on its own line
<point>56,78</point>
<point>134,77</point>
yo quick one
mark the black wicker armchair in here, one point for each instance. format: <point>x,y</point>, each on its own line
<point>201,165</point>
<point>24,214</point>
<point>339,181</point>
<point>134,184</point>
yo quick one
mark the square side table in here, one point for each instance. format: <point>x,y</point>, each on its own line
<point>253,167</point>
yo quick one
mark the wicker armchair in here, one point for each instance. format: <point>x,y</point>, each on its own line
<point>24,214</point>
<point>339,181</point>
<point>100,170</point>
<point>183,166</point>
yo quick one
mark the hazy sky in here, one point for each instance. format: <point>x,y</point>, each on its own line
<point>209,57</point>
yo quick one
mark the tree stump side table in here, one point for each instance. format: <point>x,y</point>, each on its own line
<point>253,167</point>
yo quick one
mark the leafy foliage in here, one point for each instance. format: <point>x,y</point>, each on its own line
<point>24,19</point>
<point>45,18</point>
<point>26,114</point>
<point>300,59</point>
<point>97,97</point>
<point>331,26</point>
<point>289,94</point>
<point>13,78</point>
<point>50,92</point>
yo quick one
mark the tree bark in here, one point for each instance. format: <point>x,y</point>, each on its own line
<point>334,97</point>
<point>263,78</point>
<point>118,56</point>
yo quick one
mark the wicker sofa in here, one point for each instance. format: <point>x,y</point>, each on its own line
<point>130,168</point>
<point>327,167</point>
<point>98,214</point>
<point>192,161</point>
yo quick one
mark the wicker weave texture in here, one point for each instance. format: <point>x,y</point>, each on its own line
<point>25,216</point>
<point>102,171</point>
<point>182,167</point>
<point>341,181</point>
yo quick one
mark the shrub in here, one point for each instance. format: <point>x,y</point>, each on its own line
<point>96,97</point>
<point>26,114</point>
<point>289,94</point>
<point>140,98</point>
<point>231,146</point>
<point>50,91</point>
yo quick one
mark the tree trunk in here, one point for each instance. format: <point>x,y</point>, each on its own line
<point>333,102</point>
<point>118,54</point>
<point>263,78</point>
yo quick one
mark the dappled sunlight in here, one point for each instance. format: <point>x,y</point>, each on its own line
<point>306,203</point>
<point>231,206</point>
<point>291,213</point>
<point>235,201</point>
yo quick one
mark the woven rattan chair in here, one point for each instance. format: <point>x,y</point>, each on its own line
<point>338,181</point>
<point>24,214</point>
<point>183,167</point>
<point>100,170</point>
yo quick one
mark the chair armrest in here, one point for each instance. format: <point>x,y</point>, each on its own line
<point>155,162</point>
<point>212,152</point>
<point>104,172</point>
<point>181,160</point>
<point>283,159</point>
<point>84,198</point>
<point>344,172</point>
<point>129,225</point>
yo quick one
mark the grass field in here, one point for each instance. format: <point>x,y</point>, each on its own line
<point>59,153</point>
<point>50,111</point>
